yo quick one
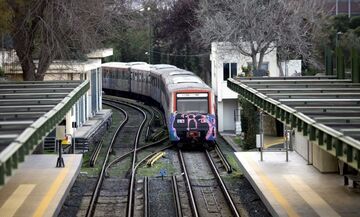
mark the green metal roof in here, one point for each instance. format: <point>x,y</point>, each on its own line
<point>28,112</point>
<point>325,109</point>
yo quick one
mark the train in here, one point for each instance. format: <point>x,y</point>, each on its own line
<point>188,102</point>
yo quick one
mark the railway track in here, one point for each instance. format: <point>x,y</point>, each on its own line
<point>193,186</point>
<point>133,153</point>
<point>90,210</point>
<point>204,195</point>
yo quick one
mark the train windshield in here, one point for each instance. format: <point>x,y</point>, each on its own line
<point>192,103</point>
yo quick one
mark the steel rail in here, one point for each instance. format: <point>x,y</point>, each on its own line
<point>223,186</point>
<point>176,197</point>
<point>146,196</point>
<point>161,117</point>
<point>146,208</point>
<point>96,153</point>
<point>95,195</point>
<point>193,205</point>
<point>139,149</point>
<point>149,125</point>
<point>132,178</point>
<point>147,109</point>
<point>223,159</point>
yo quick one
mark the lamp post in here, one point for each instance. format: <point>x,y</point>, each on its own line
<point>337,38</point>
<point>349,8</point>
<point>149,32</point>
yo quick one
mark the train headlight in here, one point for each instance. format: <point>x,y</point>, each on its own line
<point>180,121</point>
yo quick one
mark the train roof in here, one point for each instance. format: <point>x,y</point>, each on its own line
<point>123,64</point>
<point>186,79</point>
<point>181,72</point>
<point>163,66</point>
<point>169,74</point>
<point>114,64</point>
<point>145,67</point>
<point>136,63</point>
<point>188,86</point>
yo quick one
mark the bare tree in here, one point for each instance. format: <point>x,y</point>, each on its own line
<point>57,29</point>
<point>256,27</point>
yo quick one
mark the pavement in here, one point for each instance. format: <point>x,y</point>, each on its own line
<point>269,141</point>
<point>38,188</point>
<point>93,124</point>
<point>295,188</point>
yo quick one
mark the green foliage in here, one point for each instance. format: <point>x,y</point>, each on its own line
<point>341,23</point>
<point>246,70</point>
<point>354,22</point>
<point>5,16</point>
<point>356,31</point>
<point>310,72</point>
<point>250,124</point>
<point>2,72</point>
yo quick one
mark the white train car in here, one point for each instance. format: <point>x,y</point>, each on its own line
<point>188,103</point>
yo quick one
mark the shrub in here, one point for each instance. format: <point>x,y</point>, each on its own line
<point>354,22</point>
<point>2,72</point>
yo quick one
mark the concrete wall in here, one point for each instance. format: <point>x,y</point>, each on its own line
<point>323,161</point>
<point>291,68</point>
<point>320,159</point>
<point>224,53</point>
<point>299,143</point>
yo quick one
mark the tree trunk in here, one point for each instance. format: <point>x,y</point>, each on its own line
<point>45,60</point>
<point>24,35</point>
<point>254,62</point>
<point>281,72</point>
<point>23,50</point>
<point>261,59</point>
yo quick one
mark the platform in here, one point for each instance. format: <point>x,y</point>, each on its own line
<point>93,124</point>
<point>296,189</point>
<point>38,188</point>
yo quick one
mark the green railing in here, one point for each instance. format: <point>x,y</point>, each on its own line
<point>334,142</point>
<point>31,136</point>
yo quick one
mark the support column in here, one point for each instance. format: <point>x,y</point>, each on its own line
<point>328,62</point>
<point>220,111</point>
<point>355,66</point>
<point>68,126</point>
<point>340,63</point>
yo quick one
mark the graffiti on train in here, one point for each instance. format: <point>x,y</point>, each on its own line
<point>194,125</point>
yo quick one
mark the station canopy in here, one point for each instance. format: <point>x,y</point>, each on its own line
<point>325,109</point>
<point>28,112</point>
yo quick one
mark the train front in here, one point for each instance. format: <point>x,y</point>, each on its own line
<point>193,118</point>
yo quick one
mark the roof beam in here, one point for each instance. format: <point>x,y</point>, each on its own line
<point>308,90</point>
<point>27,108</point>
<point>15,102</point>
<point>37,90</point>
<point>325,135</point>
<point>33,96</point>
<point>335,95</point>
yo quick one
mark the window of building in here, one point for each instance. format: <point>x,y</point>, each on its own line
<point>230,70</point>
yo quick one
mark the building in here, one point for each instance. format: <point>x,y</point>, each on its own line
<point>226,63</point>
<point>90,103</point>
<point>350,7</point>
